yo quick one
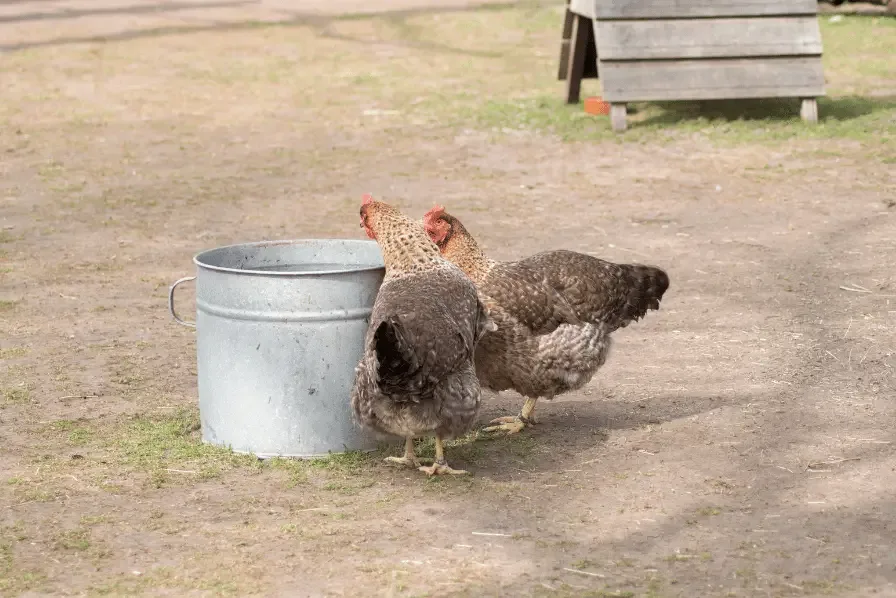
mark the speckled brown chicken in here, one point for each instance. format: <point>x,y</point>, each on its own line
<point>554,313</point>
<point>416,377</point>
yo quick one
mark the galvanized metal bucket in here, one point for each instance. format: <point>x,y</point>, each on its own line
<point>280,327</point>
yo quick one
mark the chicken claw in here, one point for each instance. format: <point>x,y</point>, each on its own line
<point>442,468</point>
<point>439,465</point>
<point>515,423</point>
<point>512,424</point>
<point>409,459</point>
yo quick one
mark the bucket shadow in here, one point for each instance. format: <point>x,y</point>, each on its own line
<point>566,431</point>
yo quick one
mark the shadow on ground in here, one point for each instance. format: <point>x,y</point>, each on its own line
<point>778,109</point>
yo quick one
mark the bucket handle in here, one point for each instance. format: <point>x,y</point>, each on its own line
<point>171,302</point>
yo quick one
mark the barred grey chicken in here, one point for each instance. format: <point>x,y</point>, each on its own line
<point>554,313</point>
<point>416,377</point>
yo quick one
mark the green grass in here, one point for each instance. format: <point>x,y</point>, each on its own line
<point>492,69</point>
<point>76,539</point>
<point>160,578</point>
<point>526,97</point>
<point>77,434</point>
<point>18,395</point>
<point>349,462</point>
<point>8,237</point>
<point>168,447</point>
<point>13,352</point>
<point>15,580</point>
<point>858,53</point>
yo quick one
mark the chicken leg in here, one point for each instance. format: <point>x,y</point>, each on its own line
<point>515,423</point>
<point>440,466</point>
<point>409,459</point>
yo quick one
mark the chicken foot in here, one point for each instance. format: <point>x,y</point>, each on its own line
<point>409,459</point>
<point>515,423</point>
<point>439,465</point>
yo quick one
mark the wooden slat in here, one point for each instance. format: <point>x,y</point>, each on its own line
<point>715,38</point>
<point>568,19</point>
<point>671,9</point>
<point>582,35</point>
<point>711,79</point>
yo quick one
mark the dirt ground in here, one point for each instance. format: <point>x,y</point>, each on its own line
<point>739,442</point>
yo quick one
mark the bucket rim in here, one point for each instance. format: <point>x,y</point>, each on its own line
<point>197,259</point>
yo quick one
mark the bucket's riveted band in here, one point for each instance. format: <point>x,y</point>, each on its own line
<point>355,313</point>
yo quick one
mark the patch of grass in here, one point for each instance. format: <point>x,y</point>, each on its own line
<point>346,488</point>
<point>160,444</point>
<point>858,52</point>
<point>8,237</point>
<point>746,575</point>
<point>7,304</point>
<point>527,99</point>
<point>541,114</point>
<point>77,433</point>
<point>17,395</point>
<point>727,122</point>
<point>161,578</point>
<point>467,448</point>
<point>679,558</point>
<point>38,495</point>
<point>13,352</point>
<point>349,462</point>
<point>721,485</point>
<point>90,520</point>
<point>13,580</point>
<point>824,587</point>
<point>709,511</point>
<point>75,539</point>
<point>296,469</point>
<point>565,590</point>
<point>654,587</point>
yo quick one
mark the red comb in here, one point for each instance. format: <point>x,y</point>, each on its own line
<point>366,199</point>
<point>435,212</point>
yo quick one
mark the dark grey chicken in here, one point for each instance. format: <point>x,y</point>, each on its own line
<point>417,377</point>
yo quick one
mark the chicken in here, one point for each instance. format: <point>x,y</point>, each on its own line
<point>416,377</point>
<point>554,313</point>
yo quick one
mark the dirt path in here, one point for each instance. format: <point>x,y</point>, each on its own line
<point>37,23</point>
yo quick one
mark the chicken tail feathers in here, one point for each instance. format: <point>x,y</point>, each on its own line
<point>645,286</point>
<point>397,360</point>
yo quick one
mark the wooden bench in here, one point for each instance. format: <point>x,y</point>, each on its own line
<point>657,50</point>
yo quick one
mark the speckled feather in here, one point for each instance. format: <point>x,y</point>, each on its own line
<point>416,376</point>
<point>554,311</point>
<point>599,291</point>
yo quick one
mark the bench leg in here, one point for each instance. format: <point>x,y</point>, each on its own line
<point>809,110</point>
<point>578,48</point>
<point>564,43</point>
<point>617,117</point>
